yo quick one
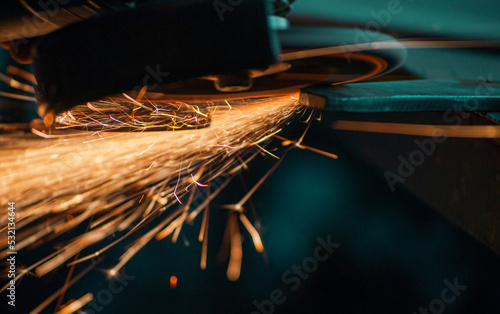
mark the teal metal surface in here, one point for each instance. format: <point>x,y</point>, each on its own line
<point>412,95</point>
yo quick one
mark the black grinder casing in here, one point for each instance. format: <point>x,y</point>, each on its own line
<point>150,44</point>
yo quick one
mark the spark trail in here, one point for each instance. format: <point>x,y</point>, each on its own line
<point>78,171</point>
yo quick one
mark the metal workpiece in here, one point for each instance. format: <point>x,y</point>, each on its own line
<point>405,96</point>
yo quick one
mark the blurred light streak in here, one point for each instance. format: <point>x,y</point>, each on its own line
<point>173,282</point>
<point>77,304</point>
<point>466,131</point>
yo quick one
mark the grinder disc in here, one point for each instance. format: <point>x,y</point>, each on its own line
<point>338,68</point>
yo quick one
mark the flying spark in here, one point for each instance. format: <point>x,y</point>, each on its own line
<point>122,163</point>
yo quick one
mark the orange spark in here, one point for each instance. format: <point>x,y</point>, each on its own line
<point>77,304</point>
<point>253,233</point>
<point>234,267</point>
<point>173,282</point>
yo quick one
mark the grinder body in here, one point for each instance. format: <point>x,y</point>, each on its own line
<point>148,46</point>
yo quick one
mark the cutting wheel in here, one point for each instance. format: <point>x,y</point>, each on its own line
<point>299,72</point>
